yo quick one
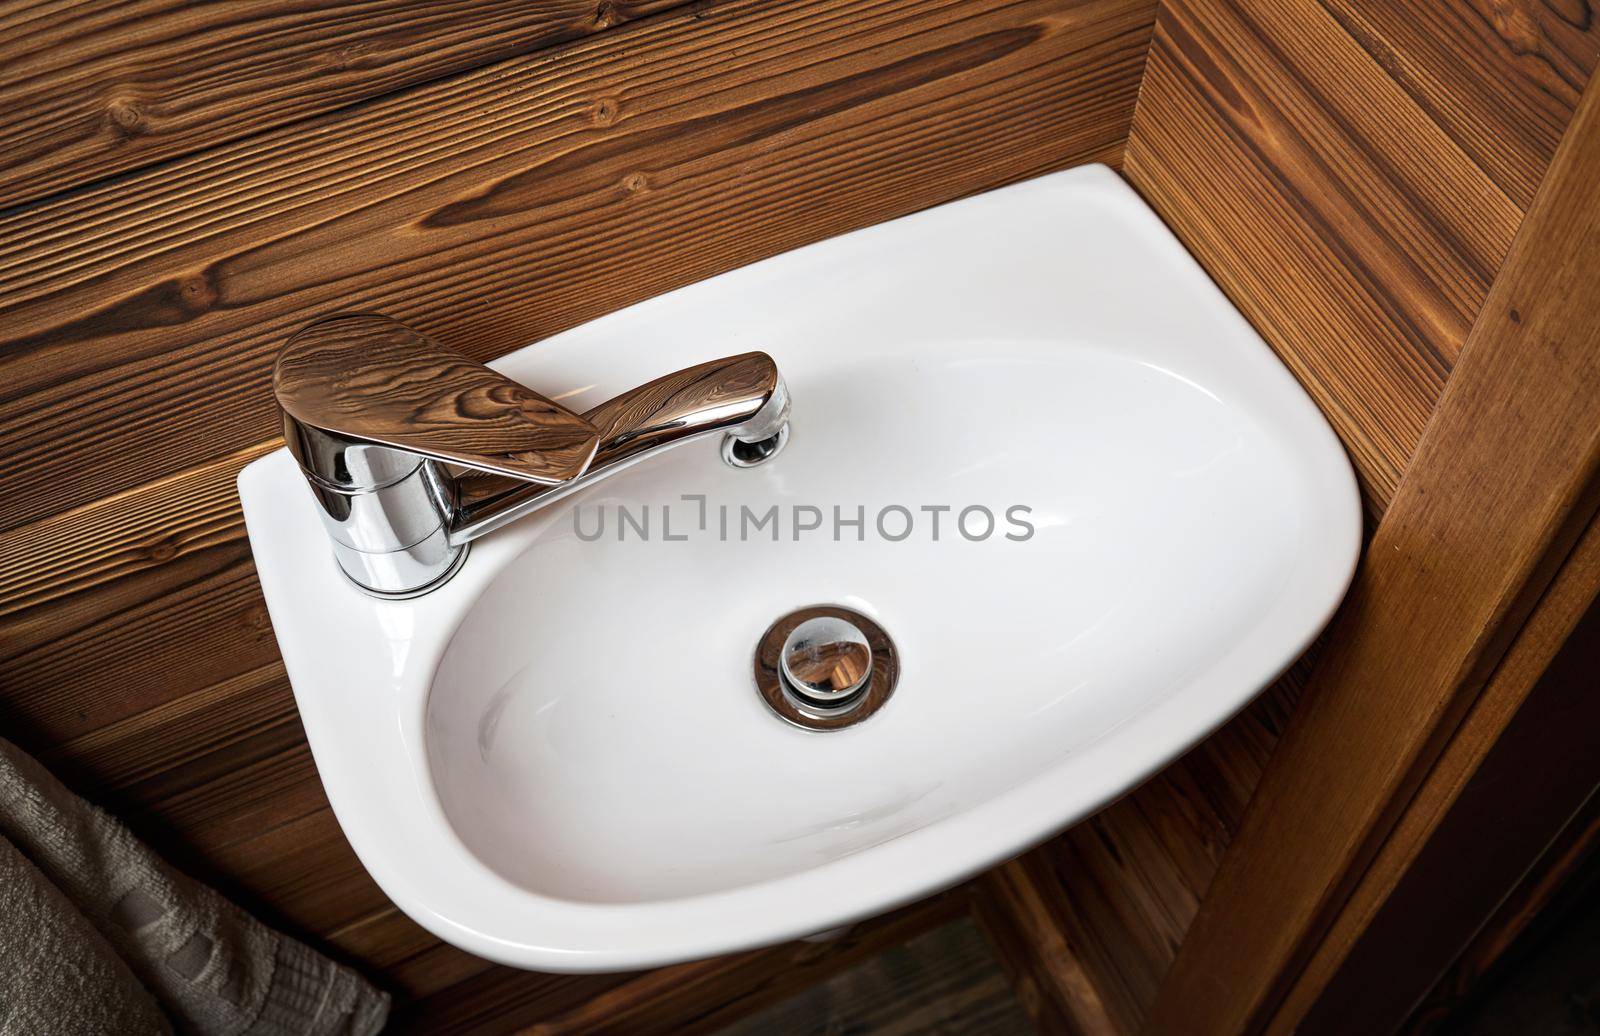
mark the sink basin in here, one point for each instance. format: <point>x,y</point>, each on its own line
<point>559,759</point>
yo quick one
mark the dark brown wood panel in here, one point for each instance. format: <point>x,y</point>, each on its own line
<point>1504,482</point>
<point>1530,784</point>
<point>1090,922</point>
<point>412,962</point>
<point>947,980</point>
<point>129,602</point>
<point>138,318</point>
<point>1501,79</point>
<point>1047,971</point>
<point>492,209</point>
<point>1323,163</point>
<point>1549,633</point>
<point>1563,881</point>
<point>92,89</point>
<point>1350,172</point>
<point>685,999</point>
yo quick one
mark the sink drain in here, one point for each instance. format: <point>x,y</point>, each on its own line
<point>825,668</point>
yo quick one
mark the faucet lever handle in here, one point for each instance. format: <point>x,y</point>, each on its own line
<point>361,378</point>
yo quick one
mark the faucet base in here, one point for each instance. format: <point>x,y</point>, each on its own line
<point>397,575</point>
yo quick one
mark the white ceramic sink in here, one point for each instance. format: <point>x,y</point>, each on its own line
<point>559,760</point>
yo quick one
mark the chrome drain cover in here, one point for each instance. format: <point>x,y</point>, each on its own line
<point>826,667</point>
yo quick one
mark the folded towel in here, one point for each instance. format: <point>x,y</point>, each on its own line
<point>99,935</point>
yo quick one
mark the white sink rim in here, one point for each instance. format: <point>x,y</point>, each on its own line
<point>364,706</point>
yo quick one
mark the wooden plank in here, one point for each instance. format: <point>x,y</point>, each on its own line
<point>1526,788</point>
<point>1049,974</point>
<point>1502,484</point>
<point>121,757</point>
<point>227,795</point>
<point>697,997</point>
<point>497,207</point>
<point>137,658</point>
<point>1553,628</point>
<point>304,872</point>
<point>92,89</point>
<point>1351,230</point>
<point>128,602</point>
<point>400,955</point>
<point>1090,922</point>
<point>1559,882</point>
<point>501,1001</point>
<point>946,980</point>
<point>1501,80</point>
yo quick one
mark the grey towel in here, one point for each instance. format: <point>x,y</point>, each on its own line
<point>98,935</point>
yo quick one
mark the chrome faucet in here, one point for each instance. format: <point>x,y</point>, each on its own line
<point>413,451</point>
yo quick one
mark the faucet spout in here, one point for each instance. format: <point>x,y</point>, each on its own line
<point>412,450</point>
<point>739,396</point>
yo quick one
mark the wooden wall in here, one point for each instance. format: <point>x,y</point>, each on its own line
<point>186,184</point>
<point>102,87</point>
<point>1350,171</point>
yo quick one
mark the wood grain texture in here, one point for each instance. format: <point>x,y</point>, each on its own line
<point>1560,882</point>
<point>1047,971</point>
<point>1090,922</point>
<point>497,207</point>
<point>370,379</point>
<point>1350,172</point>
<point>1527,787</point>
<point>1501,79</point>
<point>92,89</point>
<point>943,981</point>
<point>1502,484</point>
<point>128,603</point>
<point>1322,162</point>
<point>687,999</point>
<point>138,320</point>
<point>1563,625</point>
